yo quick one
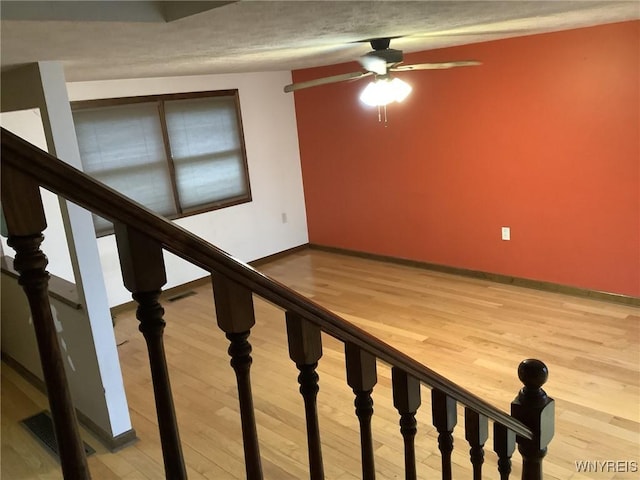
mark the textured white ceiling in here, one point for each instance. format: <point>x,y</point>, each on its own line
<point>249,36</point>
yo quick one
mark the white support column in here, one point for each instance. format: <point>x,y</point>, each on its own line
<point>94,368</point>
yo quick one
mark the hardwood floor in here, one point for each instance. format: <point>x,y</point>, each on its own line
<point>473,331</point>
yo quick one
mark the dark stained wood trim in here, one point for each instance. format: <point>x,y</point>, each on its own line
<point>243,147</point>
<point>232,202</point>
<point>112,443</point>
<point>160,100</point>
<point>66,181</point>
<point>169,157</point>
<point>493,277</point>
<point>110,102</point>
<point>122,308</point>
<point>270,258</point>
<point>210,207</point>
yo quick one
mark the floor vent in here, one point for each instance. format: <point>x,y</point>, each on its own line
<point>41,427</point>
<point>180,296</point>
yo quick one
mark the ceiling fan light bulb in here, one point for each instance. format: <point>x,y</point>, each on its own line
<point>378,93</point>
<point>401,89</point>
<point>385,91</point>
<point>371,94</point>
<point>367,95</point>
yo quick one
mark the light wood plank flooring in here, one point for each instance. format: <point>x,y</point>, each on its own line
<point>472,331</point>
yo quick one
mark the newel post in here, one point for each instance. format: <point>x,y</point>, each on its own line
<point>536,410</point>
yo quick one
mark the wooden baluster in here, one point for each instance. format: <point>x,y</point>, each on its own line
<point>476,428</point>
<point>143,272</point>
<point>444,419</point>
<point>504,444</point>
<point>536,410</point>
<point>235,315</point>
<point>362,377</point>
<point>406,399</point>
<point>305,349</point>
<point>24,215</point>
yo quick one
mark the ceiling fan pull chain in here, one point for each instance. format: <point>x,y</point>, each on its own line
<point>380,109</point>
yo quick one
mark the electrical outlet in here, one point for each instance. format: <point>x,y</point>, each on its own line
<point>284,217</point>
<point>506,233</point>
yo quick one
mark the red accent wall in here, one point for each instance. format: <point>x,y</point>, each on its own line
<point>544,137</point>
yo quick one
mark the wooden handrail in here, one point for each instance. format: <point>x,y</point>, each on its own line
<point>77,187</point>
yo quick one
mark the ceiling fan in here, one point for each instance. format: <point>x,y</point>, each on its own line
<point>379,62</point>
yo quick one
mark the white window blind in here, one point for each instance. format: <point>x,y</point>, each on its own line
<point>196,163</point>
<point>206,149</point>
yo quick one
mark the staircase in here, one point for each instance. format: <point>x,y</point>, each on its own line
<point>141,237</point>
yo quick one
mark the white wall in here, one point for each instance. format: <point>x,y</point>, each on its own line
<point>248,231</point>
<point>80,363</point>
<point>28,125</point>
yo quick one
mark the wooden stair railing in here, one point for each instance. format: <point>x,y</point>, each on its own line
<point>141,236</point>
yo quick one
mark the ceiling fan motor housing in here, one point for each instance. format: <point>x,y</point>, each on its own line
<point>389,55</point>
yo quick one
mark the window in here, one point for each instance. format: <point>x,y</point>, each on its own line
<point>176,154</point>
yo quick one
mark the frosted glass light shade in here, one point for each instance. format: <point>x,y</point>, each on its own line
<point>384,91</point>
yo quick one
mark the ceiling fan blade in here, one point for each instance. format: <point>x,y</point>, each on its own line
<point>473,31</point>
<point>324,80</point>
<point>373,64</point>
<point>434,66</point>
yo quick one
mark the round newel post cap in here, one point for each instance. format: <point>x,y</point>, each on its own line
<point>533,373</point>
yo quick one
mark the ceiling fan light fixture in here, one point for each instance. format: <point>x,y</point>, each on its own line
<point>402,89</point>
<point>384,91</point>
